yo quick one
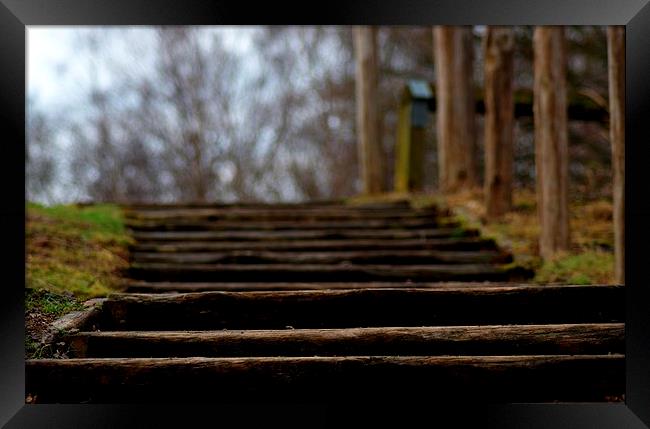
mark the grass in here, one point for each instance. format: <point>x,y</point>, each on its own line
<point>588,267</point>
<point>50,303</point>
<point>590,259</point>
<point>80,250</point>
<point>73,253</point>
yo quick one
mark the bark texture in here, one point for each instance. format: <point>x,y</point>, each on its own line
<point>551,139</point>
<point>616,59</point>
<point>499,120</point>
<point>453,55</point>
<point>370,152</point>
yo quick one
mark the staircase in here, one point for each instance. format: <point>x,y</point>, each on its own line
<point>324,301</point>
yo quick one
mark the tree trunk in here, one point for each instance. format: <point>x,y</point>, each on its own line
<point>453,54</point>
<point>199,173</point>
<point>551,140</point>
<point>370,151</point>
<point>616,59</point>
<point>499,120</point>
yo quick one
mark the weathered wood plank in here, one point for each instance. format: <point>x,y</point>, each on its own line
<point>281,225</point>
<point>166,287</point>
<point>158,271</point>
<point>414,341</point>
<point>276,206</point>
<point>443,378</point>
<point>396,257</point>
<point>304,234</point>
<point>467,243</point>
<point>366,308</point>
<point>298,214</point>
<point>74,321</point>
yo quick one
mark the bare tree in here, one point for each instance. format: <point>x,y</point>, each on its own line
<point>187,95</point>
<point>111,163</point>
<point>40,169</point>
<point>312,68</point>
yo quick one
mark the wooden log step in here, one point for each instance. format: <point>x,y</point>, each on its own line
<point>268,206</point>
<point>270,215</point>
<point>281,379</point>
<point>448,306</point>
<point>133,286</point>
<point>581,339</point>
<point>159,271</point>
<point>396,234</point>
<point>464,243</point>
<point>396,257</point>
<point>281,225</point>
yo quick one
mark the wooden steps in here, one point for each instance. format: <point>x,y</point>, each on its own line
<point>310,302</point>
<point>315,272</point>
<point>138,286</point>
<point>284,225</point>
<point>318,205</point>
<point>461,244</point>
<point>398,257</point>
<point>537,378</point>
<point>499,340</point>
<point>303,235</point>
<point>365,307</point>
<point>303,215</point>
<point>310,244</point>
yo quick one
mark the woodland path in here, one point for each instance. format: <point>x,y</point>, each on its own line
<point>300,302</point>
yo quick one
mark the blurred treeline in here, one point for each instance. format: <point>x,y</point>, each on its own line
<point>187,118</point>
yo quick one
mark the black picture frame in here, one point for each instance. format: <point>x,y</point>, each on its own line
<point>16,15</point>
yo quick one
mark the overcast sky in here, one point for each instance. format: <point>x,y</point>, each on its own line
<point>50,62</point>
<point>57,66</point>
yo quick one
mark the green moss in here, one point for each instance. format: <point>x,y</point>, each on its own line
<point>459,233</point>
<point>588,267</point>
<point>53,304</point>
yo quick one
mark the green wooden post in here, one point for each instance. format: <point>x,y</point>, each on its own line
<point>413,119</point>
